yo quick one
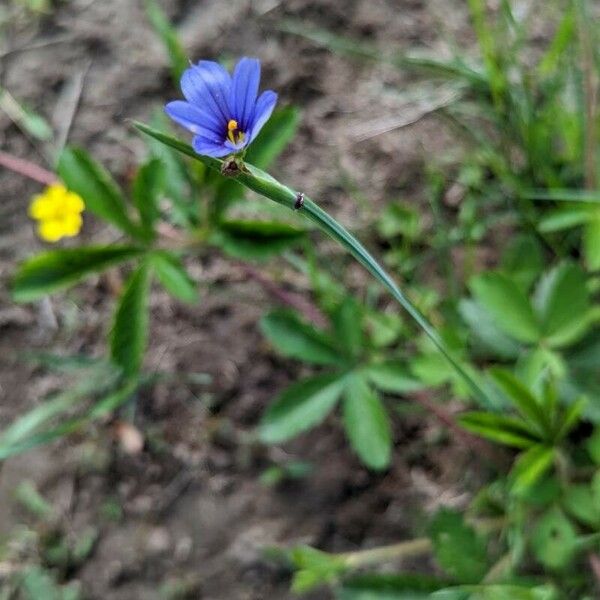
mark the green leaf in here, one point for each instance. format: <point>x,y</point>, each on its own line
<point>457,547</point>
<point>579,501</point>
<point>129,334</point>
<point>523,261</point>
<point>293,338</point>
<point>402,586</point>
<point>58,269</point>
<point>300,407</point>
<point>256,239</point>
<point>367,423</point>
<point>347,325</point>
<point>571,417</point>
<point>28,120</point>
<point>148,186</point>
<point>392,377</point>
<point>169,38</point>
<point>496,592</point>
<point>397,219</point>
<point>499,428</point>
<point>171,273</point>
<point>485,331</point>
<point>530,467</point>
<point>562,303</point>
<point>522,399</point>
<point>184,208</point>
<point>565,217</point>
<point>591,243</point>
<point>102,196</point>
<point>592,445</point>
<point>554,540</point>
<point>508,305</point>
<point>314,568</point>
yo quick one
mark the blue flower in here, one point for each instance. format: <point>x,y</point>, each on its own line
<point>224,112</point>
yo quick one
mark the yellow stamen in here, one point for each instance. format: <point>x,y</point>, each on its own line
<point>231,130</point>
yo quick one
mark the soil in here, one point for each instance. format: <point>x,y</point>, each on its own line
<point>193,508</point>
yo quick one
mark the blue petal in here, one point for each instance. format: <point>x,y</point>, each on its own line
<point>244,89</point>
<point>209,147</point>
<point>262,111</point>
<point>208,86</point>
<point>194,119</point>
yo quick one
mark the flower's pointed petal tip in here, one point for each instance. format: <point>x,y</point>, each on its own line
<point>207,85</point>
<point>244,89</point>
<point>207,147</point>
<point>262,111</point>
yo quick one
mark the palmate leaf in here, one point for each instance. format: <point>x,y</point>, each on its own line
<point>102,196</point>
<point>58,269</point>
<point>300,407</point>
<point>129,334</point>
<point>367,423</point>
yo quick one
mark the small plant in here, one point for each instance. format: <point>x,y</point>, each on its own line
<point>515,346</point>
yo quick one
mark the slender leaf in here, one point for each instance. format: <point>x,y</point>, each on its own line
<point>392,377</point>
<point>530,467</point>
<point>499,428</point>
<point>129,334</point>
<point>293,338</point>
<point>148,186</point>
<point>256,239</point>
<point>94,184</point>
<point>58,269</point>
<point>303,405</point>
<point>171,273</point>
<point>367,423</point>
<point>522,399</point>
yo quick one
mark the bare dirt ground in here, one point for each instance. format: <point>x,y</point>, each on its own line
<point>193,506</point>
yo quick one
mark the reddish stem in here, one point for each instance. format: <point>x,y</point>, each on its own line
<point>309,310</point>
<point>27,169</point>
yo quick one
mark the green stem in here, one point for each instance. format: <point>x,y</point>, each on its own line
<point>265,185</point>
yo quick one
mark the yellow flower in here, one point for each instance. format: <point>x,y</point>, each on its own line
<point>58,212</point>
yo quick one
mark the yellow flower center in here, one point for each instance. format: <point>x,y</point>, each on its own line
<point>58,212</point>
<point>234,135</point>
